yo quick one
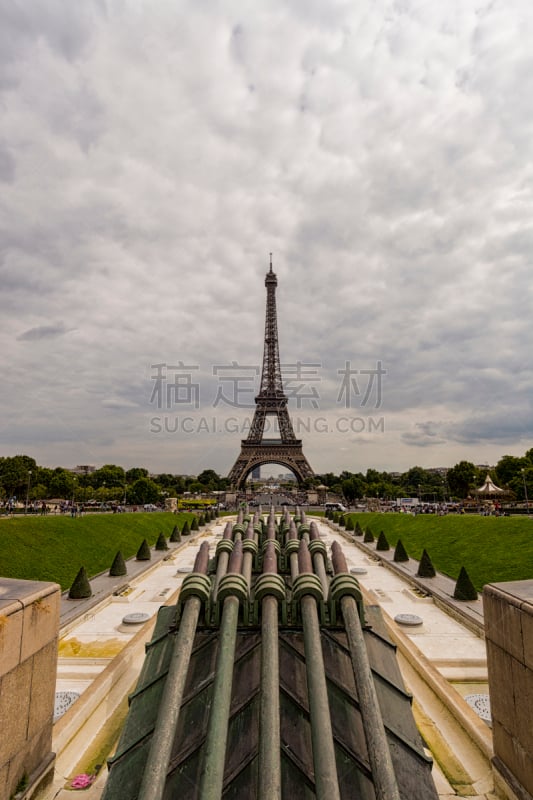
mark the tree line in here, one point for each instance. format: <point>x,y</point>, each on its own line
<point>21,477</point>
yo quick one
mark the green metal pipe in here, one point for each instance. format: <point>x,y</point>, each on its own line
<point>326,781</point>
<point>385,783</point>
<point>269,752</point>
<point>155,771</point>
<point>212,780</point>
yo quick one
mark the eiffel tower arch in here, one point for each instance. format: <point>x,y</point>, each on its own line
<point>271,402</point>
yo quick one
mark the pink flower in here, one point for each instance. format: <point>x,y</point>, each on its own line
<point>82,781</point>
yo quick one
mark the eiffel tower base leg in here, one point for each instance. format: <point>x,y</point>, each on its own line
<point>255,455</point>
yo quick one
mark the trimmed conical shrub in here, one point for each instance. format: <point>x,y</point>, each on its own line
<point>350,524</point>
<point>194,524</point>
<point>425,567</point>
<point>161,543</point>
<point>358,529</point>
<point>118,567</point>
<point>400,553</point>
<point>81,587</point>
<point>336,517</point>
<point>201,521</point>
<point>175,536</point>
<point>464,588</point>
<point>342,521</point>
<point>186,529</point>
<point>369,536</point>
<point>143,553</point>
<point>382,543</point>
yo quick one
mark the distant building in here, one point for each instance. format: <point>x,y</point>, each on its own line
<point>83,469</point>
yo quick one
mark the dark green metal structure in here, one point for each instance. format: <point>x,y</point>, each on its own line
<point>270,679</point>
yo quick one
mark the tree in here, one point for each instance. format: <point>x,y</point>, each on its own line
<point>143,491</point>
<point>118,567</point>
<point>81,587</point>
<point>369,536</point>
<point>135,473</point>
<point>110,475</point>
<point>382,543</point>
<point>62,483</point>
<point>143,553</point>
<point>14,473</point>
<point>400,553</point>
<point>161,543</point>
<point>509,468</point>
<point>461,478</point>
<point>175,536</point>
<point>425,567</point>
<point>464,588</point>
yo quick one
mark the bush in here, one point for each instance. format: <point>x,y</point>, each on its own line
<point>342,521</point>
<point>143,553</point>
<point>201,521</point>
<point>185,531</point>
<point>335,517</point>
<point>175,536</point>
<point>400,553</point>
<point>358,529</point>
<point>194,524</point>
<point>81,587</point>
<point>464,588</point>
<point>118,567</point>
<point>382,543</point>
<point>425,567</point>
<point>161,543</point>
<point>369,536</point>
<point>350,524</point>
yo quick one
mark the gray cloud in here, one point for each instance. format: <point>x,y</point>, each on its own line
<point>152,158</point>
<point>43,332</point>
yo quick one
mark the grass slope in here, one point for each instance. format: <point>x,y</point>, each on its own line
<point>54,548</point>
<point>492,549</point>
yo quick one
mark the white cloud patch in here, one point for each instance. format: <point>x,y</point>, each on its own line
<point>152,156</point>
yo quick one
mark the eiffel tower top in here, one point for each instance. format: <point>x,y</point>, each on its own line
<point>271,278</point>
<point>271,383</point>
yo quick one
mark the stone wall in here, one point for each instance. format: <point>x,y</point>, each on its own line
<point>29,627</point>
<point>508,612</point>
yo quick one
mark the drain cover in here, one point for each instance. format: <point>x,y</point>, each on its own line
<point>136,618</point>
<point>63,701</point>
<point>481,705</point>
<point>408,619</point>
<point>358,571</point>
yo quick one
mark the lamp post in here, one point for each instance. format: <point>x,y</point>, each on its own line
<point>525,489</point>
<point>27,492</point>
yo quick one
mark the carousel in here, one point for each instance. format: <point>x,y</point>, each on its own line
<point>492,494</point>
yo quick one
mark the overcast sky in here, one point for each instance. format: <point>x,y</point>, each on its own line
<point>153,154</point>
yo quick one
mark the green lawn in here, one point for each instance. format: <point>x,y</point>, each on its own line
<point>53,548</point>
<point>492,549</point>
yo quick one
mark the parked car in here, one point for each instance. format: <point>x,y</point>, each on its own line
<point>334,507</point>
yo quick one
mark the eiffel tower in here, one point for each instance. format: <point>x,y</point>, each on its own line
<point>270,402</point>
